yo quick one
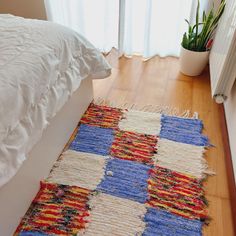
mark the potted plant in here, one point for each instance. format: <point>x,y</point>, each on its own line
<point>197,42</point>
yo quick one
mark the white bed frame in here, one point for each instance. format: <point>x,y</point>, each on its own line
<point>18,193</point>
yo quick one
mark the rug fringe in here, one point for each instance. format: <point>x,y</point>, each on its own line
<point>166,110</point>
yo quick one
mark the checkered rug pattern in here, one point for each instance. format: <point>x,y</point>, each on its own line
<point>125,172</point>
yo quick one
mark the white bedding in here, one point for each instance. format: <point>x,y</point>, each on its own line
<point>41,65</point>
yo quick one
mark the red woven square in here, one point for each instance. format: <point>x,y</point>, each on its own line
<point>134,147</point>
<point>177,193</point>
<point>56,210</point>
<point>102,116</point>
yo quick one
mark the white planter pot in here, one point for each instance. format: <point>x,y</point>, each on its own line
<point>193,63</point>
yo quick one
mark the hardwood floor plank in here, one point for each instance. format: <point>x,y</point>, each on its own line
<point>221,223</point>
<point>178,93</point>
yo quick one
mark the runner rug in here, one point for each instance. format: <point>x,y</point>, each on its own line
<point>125,172</point>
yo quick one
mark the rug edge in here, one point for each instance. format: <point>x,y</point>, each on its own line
<point>165,110</point>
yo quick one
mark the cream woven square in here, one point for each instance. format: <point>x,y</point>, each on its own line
<point>78,169</point>
<point>181,157</point>
<point>111,215</point>
<point>141,122</point>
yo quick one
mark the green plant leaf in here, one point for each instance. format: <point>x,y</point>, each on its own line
<point>185,41</point>
<point>197,22</point>
<point>204,16</point>
<point>196,38</point>
<point>187,21</point>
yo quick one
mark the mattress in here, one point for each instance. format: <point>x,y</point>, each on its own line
<point>41,65</point>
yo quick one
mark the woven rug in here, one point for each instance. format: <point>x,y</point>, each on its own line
<point>125,172</point>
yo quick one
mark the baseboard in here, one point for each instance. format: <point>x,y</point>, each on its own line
<point>229,163</point>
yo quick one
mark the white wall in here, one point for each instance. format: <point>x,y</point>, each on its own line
<point>230,111</point>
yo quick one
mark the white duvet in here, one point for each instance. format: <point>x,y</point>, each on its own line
<point>41,65</point>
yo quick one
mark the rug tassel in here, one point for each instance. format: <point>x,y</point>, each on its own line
<point>166,110</point>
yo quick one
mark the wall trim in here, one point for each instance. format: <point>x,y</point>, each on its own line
<point>228,163</point>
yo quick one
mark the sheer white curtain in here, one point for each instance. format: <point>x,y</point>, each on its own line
<point>146,27</point>
<point>97,20</point>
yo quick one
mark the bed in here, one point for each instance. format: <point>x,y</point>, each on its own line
<point>46,73</point>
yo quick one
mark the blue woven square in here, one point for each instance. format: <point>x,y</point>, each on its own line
<point>183,130</point>
<point>159,222</point>
<point>31,233</point>
<point>125,179</point>
<point>93,140</point>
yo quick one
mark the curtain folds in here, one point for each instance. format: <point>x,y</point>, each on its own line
<point>146,27</point>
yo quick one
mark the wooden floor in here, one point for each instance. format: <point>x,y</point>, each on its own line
<point>158,82</point>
